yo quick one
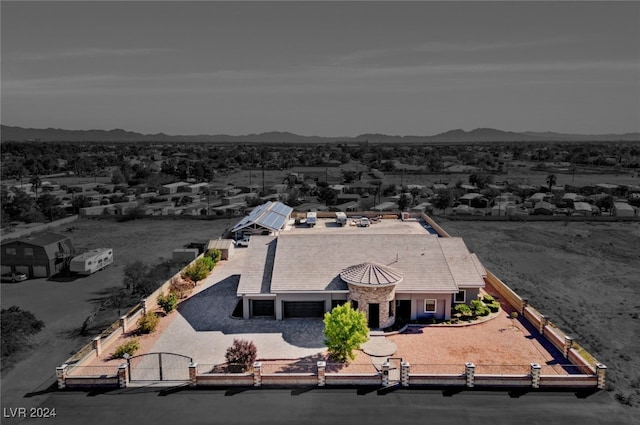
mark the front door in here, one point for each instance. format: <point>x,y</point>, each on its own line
<point>403,311</point>
<point>374,316</point>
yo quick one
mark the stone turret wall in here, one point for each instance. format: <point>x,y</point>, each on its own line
<point>381,295</point>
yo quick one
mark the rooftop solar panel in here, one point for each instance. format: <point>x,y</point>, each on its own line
<point>282,209</point>
<point>272,215</point>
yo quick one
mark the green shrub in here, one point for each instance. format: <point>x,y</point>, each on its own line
<point>147,323</point>
<point>487,299</point>
<point>215,254</point>
<point>199,269</point>
<point>479,309</point>
<point>208,262</point>
<point>196,271</point>
<point>493,306</point>
<point>241,355</point>
<point>128,347</point>
<point>482,311</point>
<point>168,302</point>
<point>462,309</point>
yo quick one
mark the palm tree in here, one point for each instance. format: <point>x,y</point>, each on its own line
<point>35,182</point>
<point>551,180</point>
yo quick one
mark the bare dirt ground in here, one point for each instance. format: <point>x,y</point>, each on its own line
<point>63,304</point>
<point>583,275</point>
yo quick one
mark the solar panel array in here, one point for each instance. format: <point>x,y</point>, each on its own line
<point>272,215</point>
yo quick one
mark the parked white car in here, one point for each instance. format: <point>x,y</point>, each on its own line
<point>14,277</point>
<point>364,222</point>
<point>244,241</point>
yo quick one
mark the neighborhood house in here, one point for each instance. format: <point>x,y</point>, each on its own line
<point>37,256</point>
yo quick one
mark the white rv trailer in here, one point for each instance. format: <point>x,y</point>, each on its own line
<point>341,218</point>
<point>91,261</point>
<point>312,218</point>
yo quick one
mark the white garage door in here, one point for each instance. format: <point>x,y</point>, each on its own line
<point>39,271</point>
<point>23,269</point>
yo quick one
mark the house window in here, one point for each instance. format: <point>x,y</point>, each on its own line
<point>429,306</point>
<point>28,251</point>
<point>10,251</point>
<point>390,308</point>
<point>460,297</point>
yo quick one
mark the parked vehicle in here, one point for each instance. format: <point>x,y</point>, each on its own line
<point>364,222</point>
<point>341,218</point>
<point>312,218</point>
<point>91,261</point>
<point>14,277</point>
<point>244,241</point>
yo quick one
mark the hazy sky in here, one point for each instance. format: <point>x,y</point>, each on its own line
<point>322,68</point>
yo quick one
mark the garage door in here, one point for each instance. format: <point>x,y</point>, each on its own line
<point>303,309</point>
<point>262,308</point>
<point>39,271</point>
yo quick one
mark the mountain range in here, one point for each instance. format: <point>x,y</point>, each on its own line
<point>19,134</point>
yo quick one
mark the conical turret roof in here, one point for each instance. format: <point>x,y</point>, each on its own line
<point>371,274</point>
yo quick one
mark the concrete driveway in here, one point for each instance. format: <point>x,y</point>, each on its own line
<point>204,328</point>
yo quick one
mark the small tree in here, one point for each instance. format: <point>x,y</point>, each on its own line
<point>241,355</point>
<point>443,199</point>
<point>198,270</point>
<point>215,254</point>
<point>551,180</point>
<point>345,329</point>
<point>404,202</point>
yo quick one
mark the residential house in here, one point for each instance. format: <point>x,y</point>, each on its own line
<point>622,209</point>
<point>42,255</point>
<point>172,188</point>
<point>386,276</point>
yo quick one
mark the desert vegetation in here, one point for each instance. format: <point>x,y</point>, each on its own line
<point>17,328</point>
<point>241,355</point>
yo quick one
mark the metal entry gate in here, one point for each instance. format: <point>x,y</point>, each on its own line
<point>159,367</point>
<point>395,370</point>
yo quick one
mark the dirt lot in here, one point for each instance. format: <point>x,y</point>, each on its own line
<point>64,304</point>
<point>583,275</point>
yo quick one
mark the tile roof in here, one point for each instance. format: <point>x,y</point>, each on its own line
<point>258,266</point>
<point>313,262</point>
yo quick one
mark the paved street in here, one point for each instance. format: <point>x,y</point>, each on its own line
<point>330,405</point>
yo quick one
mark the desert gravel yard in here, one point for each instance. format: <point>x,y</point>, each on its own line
<point>496,346</point>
